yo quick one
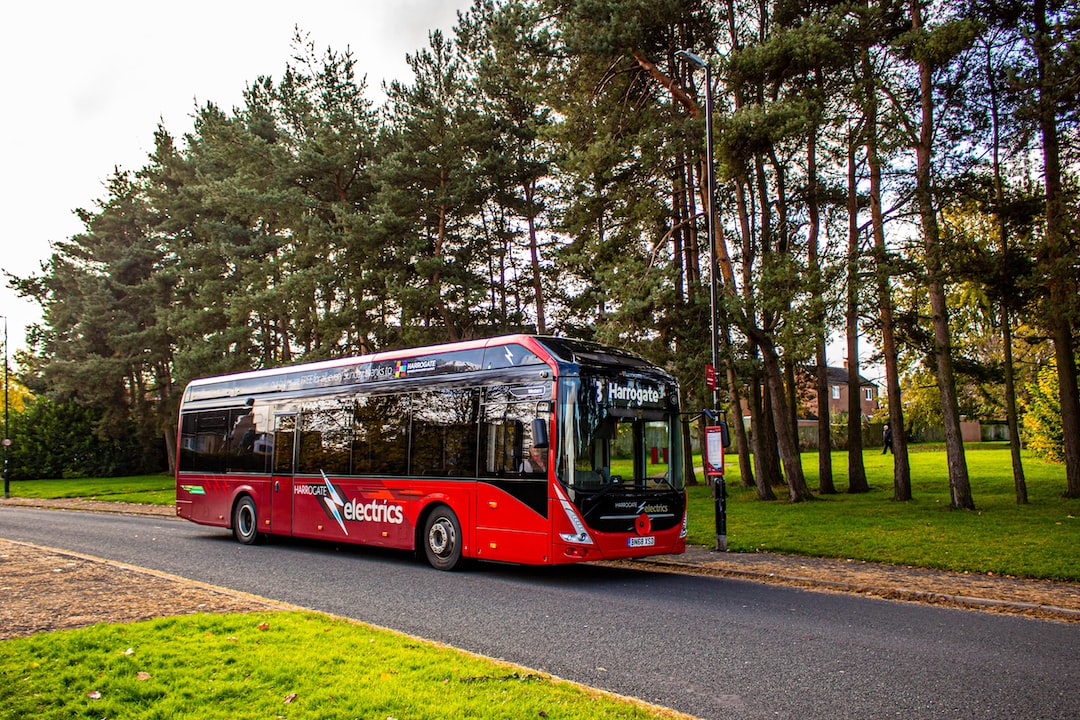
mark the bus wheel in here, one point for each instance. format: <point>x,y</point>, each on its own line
<point>442,539</point>
<point>245,521</point>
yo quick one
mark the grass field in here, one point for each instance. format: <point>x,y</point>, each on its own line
<point>275,665</point>
<point>150,489</point>
<point>1037,540</point>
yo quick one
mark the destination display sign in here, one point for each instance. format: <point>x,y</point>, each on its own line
<point>633,394</point>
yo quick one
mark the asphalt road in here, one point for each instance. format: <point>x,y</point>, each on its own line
<point>711,647</point>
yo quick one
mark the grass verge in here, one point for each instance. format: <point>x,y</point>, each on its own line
<point>150,489</point>
<point>275,665</point>
<point>1036,540</point>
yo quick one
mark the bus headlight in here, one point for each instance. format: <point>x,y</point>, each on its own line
<point>580,535</point>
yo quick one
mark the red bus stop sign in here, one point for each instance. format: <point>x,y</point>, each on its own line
<point>710,377</point>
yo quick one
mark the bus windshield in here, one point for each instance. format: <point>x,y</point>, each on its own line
<point>619,434</point>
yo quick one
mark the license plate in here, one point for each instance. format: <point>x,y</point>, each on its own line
<point>647,541</point>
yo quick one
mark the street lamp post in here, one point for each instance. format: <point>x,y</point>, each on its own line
<point>719,489</point>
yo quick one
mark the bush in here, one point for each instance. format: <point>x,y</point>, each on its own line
<point>57,440</point>
<point>1042,417</point>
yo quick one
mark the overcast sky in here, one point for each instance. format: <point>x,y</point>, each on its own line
<point>86,84</point>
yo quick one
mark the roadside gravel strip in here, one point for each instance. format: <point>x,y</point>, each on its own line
<point>985,592</point>
<point>47,589</point>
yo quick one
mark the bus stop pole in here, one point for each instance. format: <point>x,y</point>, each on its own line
<point>719,491</point>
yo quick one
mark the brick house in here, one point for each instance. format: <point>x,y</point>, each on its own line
<point>806,379</point>
<point>838,393</point>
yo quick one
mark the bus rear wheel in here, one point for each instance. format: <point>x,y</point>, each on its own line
<point>442,539</point>
<point>245,521</point>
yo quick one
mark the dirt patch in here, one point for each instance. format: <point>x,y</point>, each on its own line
<point>48,590</point>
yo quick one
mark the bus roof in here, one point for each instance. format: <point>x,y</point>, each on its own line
<point>496,353</point>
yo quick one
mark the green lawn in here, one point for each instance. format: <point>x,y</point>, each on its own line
<point>151,489</point>
<point>275,665</point>
<point>1037,540</point>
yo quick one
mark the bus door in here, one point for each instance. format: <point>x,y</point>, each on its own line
<point>512,520</point>
<point>281,502</point>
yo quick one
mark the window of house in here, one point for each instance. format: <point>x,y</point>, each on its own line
<point>835,392</point>
<point>868,393</point>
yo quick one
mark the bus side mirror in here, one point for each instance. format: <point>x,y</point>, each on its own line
<point>725,435</point>
<point>540,433</point>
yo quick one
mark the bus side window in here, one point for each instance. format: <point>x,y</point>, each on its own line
<point>211,427</point>
<point>443,437</point>
<point>326,438</point>
<point>502,445</point>
<point>380,429</point>
<point>187,441</point>
<point>246,427</point>
<point>284,439</point>
<point>510,442</point>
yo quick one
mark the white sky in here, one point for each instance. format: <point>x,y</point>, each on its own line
<point>86,84</point>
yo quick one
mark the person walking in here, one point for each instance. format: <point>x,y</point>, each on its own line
<point>886,441</point>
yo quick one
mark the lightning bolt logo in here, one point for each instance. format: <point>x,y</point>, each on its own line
<point>509,355</point>
<point>333,502</point>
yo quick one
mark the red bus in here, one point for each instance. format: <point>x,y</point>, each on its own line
<point>521,449</point>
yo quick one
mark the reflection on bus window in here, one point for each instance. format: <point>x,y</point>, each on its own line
<point>508,446</point>
<point>381,440</point>
<point>443,440</point>
<point>284,441</point>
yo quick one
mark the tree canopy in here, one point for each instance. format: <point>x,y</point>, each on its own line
<point>904,172</point>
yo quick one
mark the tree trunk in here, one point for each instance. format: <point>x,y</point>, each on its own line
<point>770,451</point>
<point>856,470</point>
<point>763,471</point>
<point>742,442</point>
<point>689,472</point>
<point>959,484</point>
<point>901,464</point>
<point>824,434</point>
<point>789,448</point>
<point>170,449</point>
<point>1062,288</point>
<point>1019,481</point>
<point>826,484</point>
<point>534,259</point>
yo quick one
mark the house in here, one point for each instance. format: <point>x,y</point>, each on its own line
<point>806,379</point>
<point>838,393</point>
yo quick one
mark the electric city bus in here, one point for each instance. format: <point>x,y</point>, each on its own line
<point>522,449</point>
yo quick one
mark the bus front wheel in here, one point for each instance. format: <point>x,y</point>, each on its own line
<point>442,539</point>
<point>245,521</point>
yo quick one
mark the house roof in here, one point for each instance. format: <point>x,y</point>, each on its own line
<point>839,376</point>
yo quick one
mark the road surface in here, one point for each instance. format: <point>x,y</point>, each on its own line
<point>711,647</point>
